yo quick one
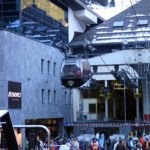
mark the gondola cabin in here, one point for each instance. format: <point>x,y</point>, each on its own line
<point>75,72</point>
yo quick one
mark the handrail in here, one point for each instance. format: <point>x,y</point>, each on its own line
<point>35,126</point>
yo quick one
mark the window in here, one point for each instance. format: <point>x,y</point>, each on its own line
<point>92,108</point>
<point>42,95</point>
<point>55,100</point>
<point>49,97</point>
<point>142,22</point>
<point>48,67</point>
<point>118,23</point>
<point>54,68</point>
<point>42,65</point>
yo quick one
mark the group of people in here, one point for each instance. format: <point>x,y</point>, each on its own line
<point>97,143</point>
<point>69,144</point>
<point>132,143</point>
<point>72,143</point>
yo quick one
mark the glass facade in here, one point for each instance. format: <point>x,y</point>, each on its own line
<point>42,20</point>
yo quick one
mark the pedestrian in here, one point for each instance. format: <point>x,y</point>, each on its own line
<point>101,141</point>
<point>146,144</point>
<point>64,146</point>
<point>97,136</point>
<point>76,143</point>
<point>141,141</point>
<point>82,144</point>
<point>130,143</point>
<point>72,146</point>
<point>138,145</point>
<point>120,146</point>
<point>26,144</point>
<point>116,142</point>
<point>95,146</point>
<point>68,143</point>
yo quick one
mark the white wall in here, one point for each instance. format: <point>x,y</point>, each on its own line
<point>74,24</point>
<point>76,100</point>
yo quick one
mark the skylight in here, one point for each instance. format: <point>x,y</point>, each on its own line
<point>142,22</point>
<point>118,23</point>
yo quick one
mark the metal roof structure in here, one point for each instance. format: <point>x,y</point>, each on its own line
<point>128,29</point>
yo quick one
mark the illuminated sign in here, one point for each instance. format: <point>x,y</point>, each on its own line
<point>14,95</point>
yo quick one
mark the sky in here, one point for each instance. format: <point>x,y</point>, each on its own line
<point>108,12</point>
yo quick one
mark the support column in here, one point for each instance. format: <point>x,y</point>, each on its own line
<point>114,107</point>
<point>137,119</point>
<point>106,104</point>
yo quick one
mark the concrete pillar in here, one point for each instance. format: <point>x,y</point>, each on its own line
<point>114,107</point>
<point>146,99</point>
<point>106,104</point>
<point>137,119</point>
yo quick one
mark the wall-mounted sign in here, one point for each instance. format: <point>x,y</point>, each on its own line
<point>14,95</point>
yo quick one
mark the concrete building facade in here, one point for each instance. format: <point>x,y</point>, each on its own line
<point>35,67</point>
<point>30,65</point>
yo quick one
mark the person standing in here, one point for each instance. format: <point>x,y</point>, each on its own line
<point>64,146</point>
<point>141,141</point>
<point>130,143</point>
<point>101,141</point>
<point>97,136</point>
<point>146,144</point>
<point>26,144</point>
<point>120,146</point>
<point>76,143</point>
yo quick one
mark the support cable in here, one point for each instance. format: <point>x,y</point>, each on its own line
<point>89,39</point>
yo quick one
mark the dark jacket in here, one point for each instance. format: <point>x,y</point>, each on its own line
<point>120,146</point>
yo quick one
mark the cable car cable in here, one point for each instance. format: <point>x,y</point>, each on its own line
<point>89,38</point>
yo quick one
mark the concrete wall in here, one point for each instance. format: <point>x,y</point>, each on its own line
<point>77,130</point>
<point>20,61</point>
<point>74,24</point>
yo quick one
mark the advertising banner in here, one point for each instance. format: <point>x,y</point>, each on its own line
<point>14,95</point>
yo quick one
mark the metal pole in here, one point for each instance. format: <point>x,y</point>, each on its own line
<point>147,95</point>
<point>124,100</point>
<point>71,117</point>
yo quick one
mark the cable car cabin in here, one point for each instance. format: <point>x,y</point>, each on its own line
<point>75,72</point>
